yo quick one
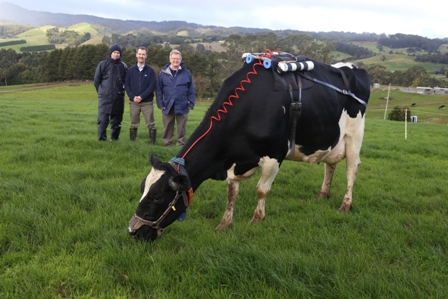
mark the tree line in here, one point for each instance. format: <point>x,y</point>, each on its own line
<point>209,68</point>
<point>411,41</point>
<point>415,76</point>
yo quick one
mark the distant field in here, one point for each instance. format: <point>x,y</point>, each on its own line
<point>443,48</point>
<point>340,55</point>
<point>33,37</point>
<point>215,46</point>
<point>401,62</point>
<point>37,36</point>
<point>426,109</point>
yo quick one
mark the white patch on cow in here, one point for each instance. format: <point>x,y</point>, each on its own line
<point>265,163</point>
<point>342,64</point>
<point>284,109</point>
<point>152,177</point>
<point>232,176</point>
<point>349,127</point>
<point>269,169</point>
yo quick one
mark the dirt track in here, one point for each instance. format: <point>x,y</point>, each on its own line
<point>44,86</point>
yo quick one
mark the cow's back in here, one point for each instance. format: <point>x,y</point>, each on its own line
<point>327,113</point>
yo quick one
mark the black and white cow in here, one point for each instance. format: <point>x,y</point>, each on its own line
<point>442,107</point>
<point>250,126</point>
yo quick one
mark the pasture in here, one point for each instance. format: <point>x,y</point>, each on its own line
<point>426,106</point>
<point>37,36</point>
<point>66,200</point>
<point>400,62</point>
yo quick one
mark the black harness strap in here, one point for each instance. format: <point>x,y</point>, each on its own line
<point>343,91</point>
<point>296,110</point>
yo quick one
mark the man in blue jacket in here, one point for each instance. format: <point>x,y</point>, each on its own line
<point>140,86</point>
<point>109,83</point>
<point>175,97</point>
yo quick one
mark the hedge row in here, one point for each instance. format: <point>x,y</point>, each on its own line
<point>13,42</point>
<point>37,48</point>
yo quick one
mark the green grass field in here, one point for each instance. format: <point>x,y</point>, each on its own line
<point>66,201</point>
<point>426,109</point>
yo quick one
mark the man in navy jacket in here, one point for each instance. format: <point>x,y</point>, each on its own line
<point>140,86</point>
<point>175,97</point>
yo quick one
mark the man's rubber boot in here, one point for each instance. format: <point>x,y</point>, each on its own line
<point>133,134</point>
<point>152,137</point>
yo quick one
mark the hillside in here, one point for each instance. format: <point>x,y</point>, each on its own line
<point>397,60</point>
<point>11,13</point>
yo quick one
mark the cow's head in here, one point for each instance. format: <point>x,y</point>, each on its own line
<point>163,201</point>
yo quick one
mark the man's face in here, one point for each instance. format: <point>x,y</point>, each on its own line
<point>175,61</point>
<point>141,56</point>
<point>115,55</point>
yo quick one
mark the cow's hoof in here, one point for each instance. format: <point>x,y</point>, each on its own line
<point>345,209</point>
<point>323,195</point>
<point>255,220</point>
<point>223,226</point>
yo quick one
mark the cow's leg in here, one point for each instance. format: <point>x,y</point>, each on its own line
<point>336,155</point>
<point>353,143</point>
<point>328,179</point>
<point>269,170</point>
<point>233,187</point>
<point>352,172</point>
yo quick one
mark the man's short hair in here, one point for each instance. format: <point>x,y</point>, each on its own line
<point>176,52</point>
<point>141,48</point>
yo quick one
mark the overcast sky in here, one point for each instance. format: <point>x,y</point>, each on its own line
<point>425,18</point>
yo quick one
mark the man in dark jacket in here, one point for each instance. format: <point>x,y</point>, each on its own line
<point>140,86</point>
<point>175,96</point>
<point>109,82</point>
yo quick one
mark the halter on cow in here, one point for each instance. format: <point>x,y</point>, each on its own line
<point>261,116</point>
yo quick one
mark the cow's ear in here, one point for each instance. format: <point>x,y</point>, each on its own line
<point>179,183</point>
<point>155,162</point>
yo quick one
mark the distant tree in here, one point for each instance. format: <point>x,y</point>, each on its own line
<point>200,48</point>
<point>213,72</point>
<point>195,62</point>
<point>51,66</point>
<point>201,84</point>
<point>85,61</point>
<point>378,73</point>
<point>13,73</point>
<point>398,114</point>
<point>66,64</point>
<point>158,55</point>
<point>7,59</point>
<point>128,56</point>
<point>106,40</point>
<point>185,48</point>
